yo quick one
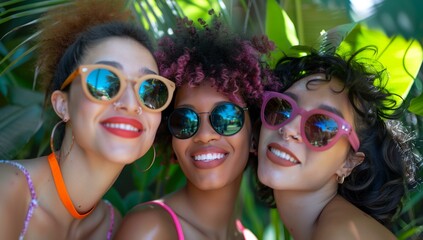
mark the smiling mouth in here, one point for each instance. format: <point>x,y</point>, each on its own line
<point>283,155</point>
<point>122,126</point>
<point>208,157</point>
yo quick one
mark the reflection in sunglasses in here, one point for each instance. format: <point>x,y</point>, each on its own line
<point>226,119</point>
<point>320,129</point>
<point>104,83</point>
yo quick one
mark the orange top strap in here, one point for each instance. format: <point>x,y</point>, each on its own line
<point>61,188</point>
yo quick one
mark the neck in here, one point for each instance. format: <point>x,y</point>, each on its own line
<point>212,212</point>
<point>300,210</point>
<point>86,179</point>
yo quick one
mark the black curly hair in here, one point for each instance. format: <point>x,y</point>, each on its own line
<point>377,185</point>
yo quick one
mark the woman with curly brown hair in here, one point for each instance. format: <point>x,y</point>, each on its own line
<point>335,160</point>
<point>219,80</point>
<point>104,85</point>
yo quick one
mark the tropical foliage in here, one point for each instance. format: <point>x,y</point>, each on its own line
<point>393,26</point>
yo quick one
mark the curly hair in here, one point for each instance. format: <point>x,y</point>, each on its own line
<point>67,32</point>
<point>213,54</point>
<point>377,185</point>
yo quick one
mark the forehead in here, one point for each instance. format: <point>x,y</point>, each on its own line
<point>314,91</point>
<point>126,51</point>
<point>203,95</point>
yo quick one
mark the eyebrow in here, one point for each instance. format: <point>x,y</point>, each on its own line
<point>321,106</point>
<point>111,63</point>
<point>119,66</point>
<point>148,71</point>
<point>293,96</point>
<point>331,109</point>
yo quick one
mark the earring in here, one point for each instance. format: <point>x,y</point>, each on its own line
<point>151,164</point>
<point>340,179</point>
<point>52,138</point>
<point>117,105</point>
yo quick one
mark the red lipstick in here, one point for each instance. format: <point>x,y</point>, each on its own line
<point>123,127</point>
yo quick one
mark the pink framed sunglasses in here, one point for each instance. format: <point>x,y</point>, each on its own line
<point>320,129</point>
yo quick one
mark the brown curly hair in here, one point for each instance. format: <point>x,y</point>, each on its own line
<point>61,26</point>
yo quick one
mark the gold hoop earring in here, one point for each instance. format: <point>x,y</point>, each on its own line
<point>52,140</point>
<point>151,164</point>
<point>340,179</point>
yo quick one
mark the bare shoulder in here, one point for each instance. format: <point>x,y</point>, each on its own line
<point>14,188</point>
<point>342,220</point>
<point>147,221</point>
<point>14,200</point>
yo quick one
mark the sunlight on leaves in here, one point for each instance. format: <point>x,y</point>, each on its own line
<point>279,29</point>
<point>402,58</point>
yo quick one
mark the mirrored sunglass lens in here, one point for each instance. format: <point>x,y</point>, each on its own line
<point>277,111</point>
<point>153,93</point>
<point>227,119</point>
<point>183,123</point>
<point>103,84</point>
<point>320,129</point>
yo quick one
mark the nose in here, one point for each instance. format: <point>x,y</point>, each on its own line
<point>205,132</point>
<point>291,130</point>
<point>128,101</point>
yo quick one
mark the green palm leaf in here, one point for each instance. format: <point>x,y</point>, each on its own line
<point>279,29</point>
<point>17,126</point>
<point>402,58</point>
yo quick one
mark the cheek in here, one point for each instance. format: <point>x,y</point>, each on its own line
<point>81,109</point>
<point>154,121</point>
<point>179,146</point>
<point>264,135</point>
<point>339,152</point>
<point>325,164</point>
<point>79,104</point>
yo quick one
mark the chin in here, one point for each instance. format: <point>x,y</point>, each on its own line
<point>123,157</point>
<point>263,175</point>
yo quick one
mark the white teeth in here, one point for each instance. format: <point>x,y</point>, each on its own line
<point>123,126</point>
<point>209,157</point>
<point>283,155</point>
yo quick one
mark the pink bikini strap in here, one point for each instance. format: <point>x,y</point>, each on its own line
<point>175,219</point>
<point>248,235</point>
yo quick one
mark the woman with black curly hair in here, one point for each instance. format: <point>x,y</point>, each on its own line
<point>218,77</point>
<point>336,161</point>
<point>104,86</point>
